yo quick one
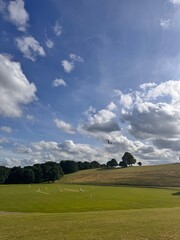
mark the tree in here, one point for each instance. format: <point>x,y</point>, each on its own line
<point>139,163</point>
<point>51,171</point>
<point>112,163</point>
<point>38,172</point>
<point>69,166</point>
<point>123,164</point>
<point>28,175</point>
<point>94,164</point>
<point>128,159</point>
<point>15,175</point>
<point>4,173</point>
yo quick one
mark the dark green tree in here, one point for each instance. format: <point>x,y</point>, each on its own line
<point>69,166</point>
<point>15,175</point>
<point>95,164</point>
<point>4,173</point>
<point>123,164</point>
<point>139,163</point>
<point>51,171</point>
<point>28,175</point>
<point>128,159</point>
<point>112,163</point>
<point>86,165</point>
<point>38,173</point>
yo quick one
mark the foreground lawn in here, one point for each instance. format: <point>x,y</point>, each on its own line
<point>55,198</point>
<point>142,224</point>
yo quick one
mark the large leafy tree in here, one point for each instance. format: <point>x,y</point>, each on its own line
<point>127,160</point>
<point>28,175</point>
<point>15,175</point>
<point>69,166</point>
<point>51,171</point>
<point>94,164</point>
<point>112,163</point>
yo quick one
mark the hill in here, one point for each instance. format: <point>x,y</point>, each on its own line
<point>167,175</point>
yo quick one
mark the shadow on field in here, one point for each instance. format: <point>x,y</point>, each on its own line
<point>176,194</point>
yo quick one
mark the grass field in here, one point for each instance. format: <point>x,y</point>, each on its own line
<point>160,175</point>
<point>54,198</point>
<point>144,224</point>
<point>92,212</point>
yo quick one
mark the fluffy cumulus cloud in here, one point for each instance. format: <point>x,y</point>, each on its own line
<point>69,65</point>
<point>101,124</point>
<point>30,47</point>
<point>18,15</point>
<point>15,89</point>
<point>66,127</point>
<point>59,82</point>
<point>154,113</point>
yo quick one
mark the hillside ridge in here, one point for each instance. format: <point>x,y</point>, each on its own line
<point>166,175</point>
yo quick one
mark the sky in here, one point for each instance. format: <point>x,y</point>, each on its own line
<point>89,80</point>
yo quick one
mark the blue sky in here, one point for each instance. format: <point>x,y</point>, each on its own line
<point>76,73</point>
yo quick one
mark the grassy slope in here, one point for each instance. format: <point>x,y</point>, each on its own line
<point>161,175</point>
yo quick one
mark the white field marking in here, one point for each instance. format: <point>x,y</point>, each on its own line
<point>70,190</point>
<point>38,191</point>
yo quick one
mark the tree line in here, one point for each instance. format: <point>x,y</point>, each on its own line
<point>44,172</point>
<point>51,171</point>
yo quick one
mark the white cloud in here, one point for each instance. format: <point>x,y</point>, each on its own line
<point>165,23</point>
<point>175,1</point>
<point>70,65</point>
<point>18,15</point>
<point>155,111</point>
<point>43,145</point>
<point>99,124</point>
<point>30,47</point>
<point>6,129</point>
<point>67,65</point>
<point>66,127</point>
<point>59,82</point>
<point>112,106</point>
<point>3,140</point>
<point>49,43</point>
<point>15,89</point>
<point>76,58</point>
<point>57,28</point>
<point>30,117</point>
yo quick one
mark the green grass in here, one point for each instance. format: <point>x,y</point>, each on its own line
<point>144,224</point>
<point>62,211</point>
<point>161,175</point>
<point>51,199</point>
